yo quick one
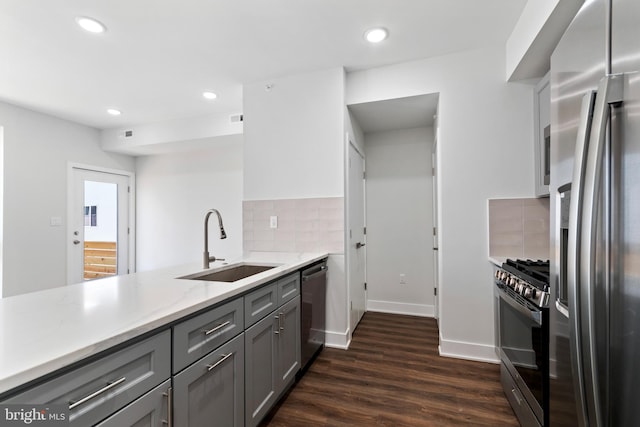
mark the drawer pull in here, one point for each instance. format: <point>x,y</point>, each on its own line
<point>515,394</point>
<point>104,389</point>
<point>281,321</point>
<point>215,365</point>
<point>169,396</point>
<point>277,331</point>
<point>217,328</point>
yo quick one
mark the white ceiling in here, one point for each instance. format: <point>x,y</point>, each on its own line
<point>157,56</point>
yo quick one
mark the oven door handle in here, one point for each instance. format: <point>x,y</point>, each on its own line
<point>536,316</point>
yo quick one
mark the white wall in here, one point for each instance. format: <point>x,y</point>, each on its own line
<point>399,221</point>
<point>37,149</point>
<point>104,196</point>
<point>294,149</point>
<point>482,122</point>
<point>293,137</point>
<point>174,191</point>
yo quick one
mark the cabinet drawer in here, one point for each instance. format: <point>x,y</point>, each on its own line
<point>196,337</point>
<point>259,303</point>
<point>97,390</point>
<point>150,410</point>
<point>288,288</point>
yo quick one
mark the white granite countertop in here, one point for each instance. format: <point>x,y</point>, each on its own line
<point>44,331</point>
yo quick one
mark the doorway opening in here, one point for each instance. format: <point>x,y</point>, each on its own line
<point>398,138</point>
<point>99,217</point>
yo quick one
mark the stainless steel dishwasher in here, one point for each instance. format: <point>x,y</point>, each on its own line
<point>313,295</point>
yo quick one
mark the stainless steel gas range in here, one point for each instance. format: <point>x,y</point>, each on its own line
<point>522,291</point>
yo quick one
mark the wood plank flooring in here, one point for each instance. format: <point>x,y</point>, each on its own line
<point>392,375</point>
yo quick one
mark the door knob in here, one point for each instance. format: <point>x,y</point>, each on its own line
<point>359,245</point>
<point>76,242</point>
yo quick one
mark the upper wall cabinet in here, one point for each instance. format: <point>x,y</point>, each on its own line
<point>542,120</point>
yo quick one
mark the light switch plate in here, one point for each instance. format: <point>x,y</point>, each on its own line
<point>273,221</point>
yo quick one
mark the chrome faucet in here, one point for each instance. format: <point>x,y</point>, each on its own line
<point>207,259</point>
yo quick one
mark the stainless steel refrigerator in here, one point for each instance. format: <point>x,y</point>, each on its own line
<point>595,218</point>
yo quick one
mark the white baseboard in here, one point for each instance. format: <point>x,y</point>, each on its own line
<point>468,351</point>
<point>421,310</point>
<point>339,340</point>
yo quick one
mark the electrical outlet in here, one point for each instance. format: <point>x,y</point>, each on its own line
<point>403,279</point>
<point>273,222</point>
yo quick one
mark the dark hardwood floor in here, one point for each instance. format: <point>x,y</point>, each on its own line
<point>392,375</point>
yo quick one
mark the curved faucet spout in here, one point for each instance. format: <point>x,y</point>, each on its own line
<point>206,258</point>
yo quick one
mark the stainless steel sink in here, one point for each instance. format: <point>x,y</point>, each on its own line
<point>231,273</point>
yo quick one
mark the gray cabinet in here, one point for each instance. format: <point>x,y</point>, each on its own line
<point>196,337</point>
<point>98,389</point>
<point>259,303</point>
<point>261,378</point>
<point>151,410</point>
<point>272,359</point>
<point>211,391</point>
<point>288,343</point>
<point>223,374</point>
<point>288,288</point>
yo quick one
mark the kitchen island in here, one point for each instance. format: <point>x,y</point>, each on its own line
<point>44,333</point>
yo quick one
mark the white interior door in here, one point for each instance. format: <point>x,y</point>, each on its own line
<point>98,232</point>
<point>356,237</point>
<point>436,253</point>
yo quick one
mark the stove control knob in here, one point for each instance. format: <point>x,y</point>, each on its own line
<point>497,275</point>
<point>534,293</point>
<point>527,292</point>
<point>512,281</point>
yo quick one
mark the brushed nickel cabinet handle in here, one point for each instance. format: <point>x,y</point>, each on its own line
<point>217,328</point>
<point>104,389</point>
<point>215,365</point>
<point>169,396</point>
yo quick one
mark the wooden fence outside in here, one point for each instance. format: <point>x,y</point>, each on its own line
<point>100,259</point>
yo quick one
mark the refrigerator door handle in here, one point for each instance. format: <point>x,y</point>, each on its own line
<point>573,249</point>
<point>609,92</point>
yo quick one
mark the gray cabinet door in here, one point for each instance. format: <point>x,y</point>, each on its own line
<point>151,410</point>
<point>288,343</point>
<point>260,368</point>
<point>211,391</point>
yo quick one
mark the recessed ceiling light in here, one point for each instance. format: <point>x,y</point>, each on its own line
<point>90,24</point>
<point>114,112</point>
<point>376,35</point>
<point>209,95</point>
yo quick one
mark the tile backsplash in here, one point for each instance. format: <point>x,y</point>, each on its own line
<point>519,228</point>
<point>304,225</point>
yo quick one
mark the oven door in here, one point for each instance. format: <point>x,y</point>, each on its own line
<point>524,347</point>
